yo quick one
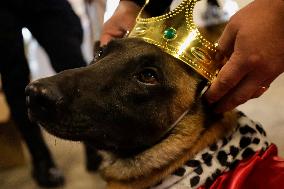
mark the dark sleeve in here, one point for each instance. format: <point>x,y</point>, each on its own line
<point>155,7</point>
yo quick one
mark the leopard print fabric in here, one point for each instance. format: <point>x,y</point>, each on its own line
<point>248,138</point>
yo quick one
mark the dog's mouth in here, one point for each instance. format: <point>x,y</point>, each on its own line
<point>94,134</point>
<point>64,134</point>
<point>102,135</point>
<point>57,129</point>
<point>56,123</point>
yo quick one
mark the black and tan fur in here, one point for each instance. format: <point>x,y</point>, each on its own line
<point>123,105</point>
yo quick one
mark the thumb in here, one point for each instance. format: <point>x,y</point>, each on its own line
<point>228,77</point>
<point>111,32</point>
<point>104,39</point>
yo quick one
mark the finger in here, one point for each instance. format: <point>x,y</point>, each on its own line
<point>243,92</point>
<point>229,76</point>
<point>227,40</point>
<point>111,33</point>
<point>105,39</point>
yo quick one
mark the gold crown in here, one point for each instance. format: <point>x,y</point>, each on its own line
<point>176,34</point>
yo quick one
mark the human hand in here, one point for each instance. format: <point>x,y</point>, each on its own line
<point>253,42</point>
<point>122,20</point>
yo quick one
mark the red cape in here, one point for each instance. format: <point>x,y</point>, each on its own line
<point>261,171</point>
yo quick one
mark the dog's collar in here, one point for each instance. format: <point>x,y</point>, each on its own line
<point>176,122</point>
<point>248,138</point>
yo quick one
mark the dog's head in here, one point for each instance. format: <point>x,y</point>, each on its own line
<point>126,100</point>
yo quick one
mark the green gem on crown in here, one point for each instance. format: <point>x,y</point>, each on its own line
<point>170,33</point>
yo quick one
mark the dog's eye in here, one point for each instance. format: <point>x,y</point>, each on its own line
<point>148,76</point>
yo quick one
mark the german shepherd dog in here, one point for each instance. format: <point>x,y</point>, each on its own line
<point>138,106</point>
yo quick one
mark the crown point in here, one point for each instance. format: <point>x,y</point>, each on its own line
<point>170,33</point>
<point>182,39</point>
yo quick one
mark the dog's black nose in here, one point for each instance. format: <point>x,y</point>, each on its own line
<point>43,100</point>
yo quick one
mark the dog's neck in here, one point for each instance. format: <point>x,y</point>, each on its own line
<point>188,137</point>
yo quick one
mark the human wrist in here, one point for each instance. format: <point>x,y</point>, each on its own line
<point>275,7</point>
<point>140,3</point>
<point>154,7</point>
<point>278,7</point>
<point>129,5</point>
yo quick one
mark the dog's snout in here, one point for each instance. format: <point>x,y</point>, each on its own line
<point>43,100</point>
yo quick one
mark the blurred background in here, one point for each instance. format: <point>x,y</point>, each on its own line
<point>14,159</point>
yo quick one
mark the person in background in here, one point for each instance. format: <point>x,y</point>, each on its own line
<point>58,30</point>
<point>252,43</point>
